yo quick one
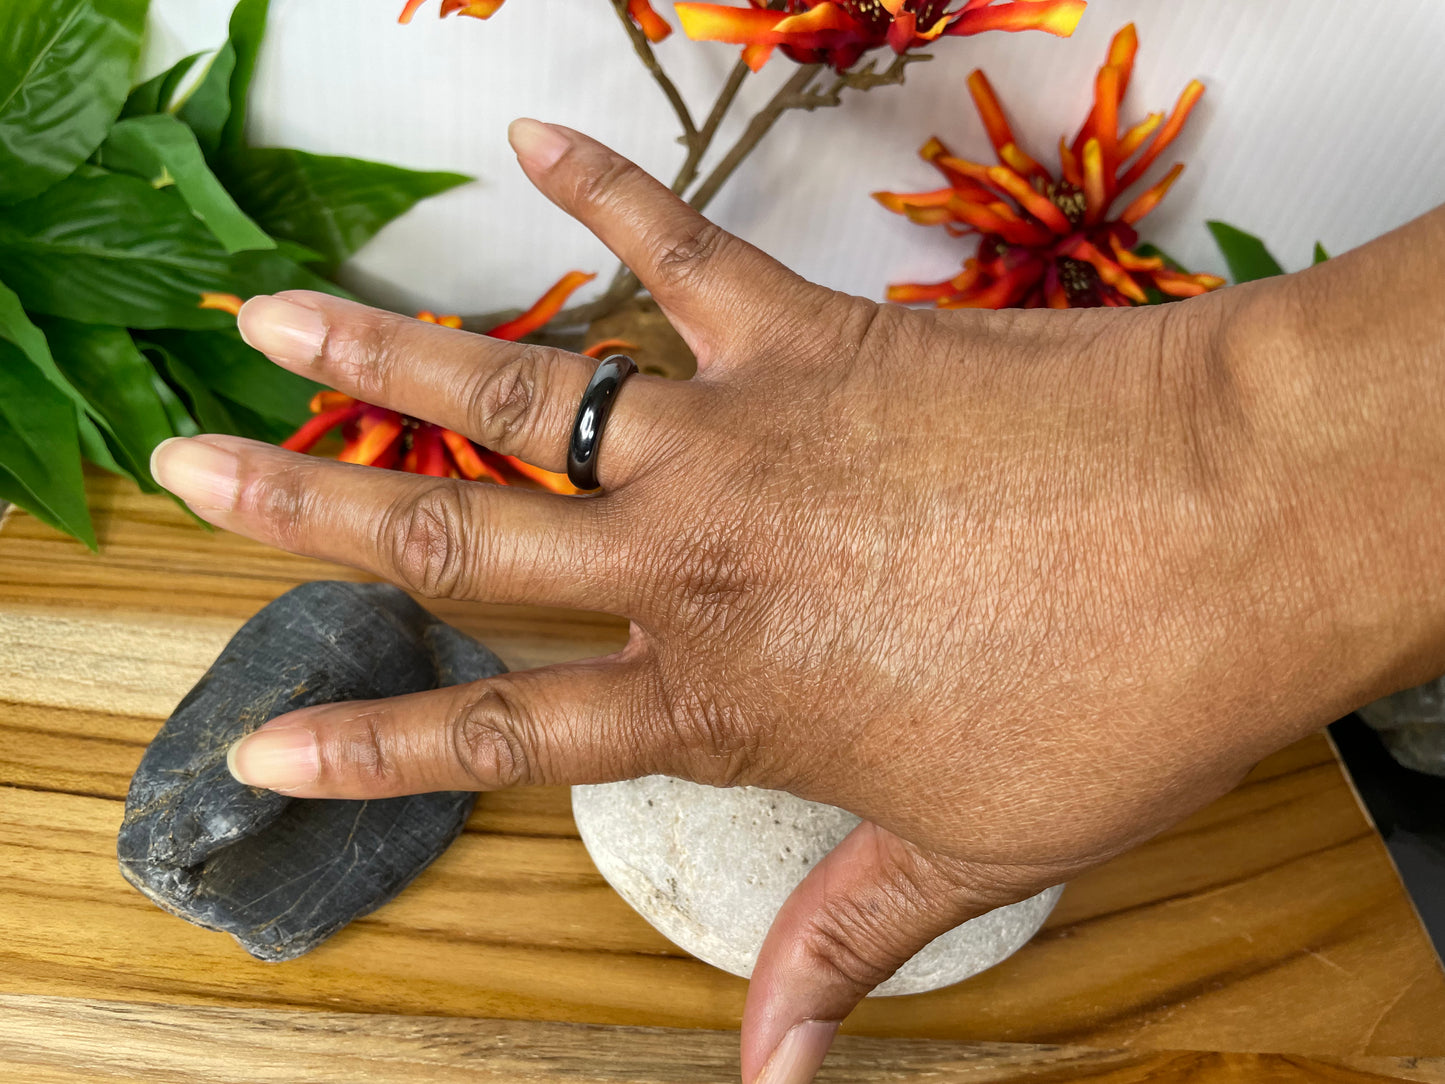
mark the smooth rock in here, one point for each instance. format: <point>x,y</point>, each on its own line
<point>281,875</point>
<point>1412,725</point>
<point>709,868</point>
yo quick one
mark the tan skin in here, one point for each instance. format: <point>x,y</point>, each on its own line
<point>1021,589</point>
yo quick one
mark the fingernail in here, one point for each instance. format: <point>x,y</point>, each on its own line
<point>279,759</point>
<point>799,1055</point>
<point>538,145</point>
<point>199,473</point>
<point>282,329</point>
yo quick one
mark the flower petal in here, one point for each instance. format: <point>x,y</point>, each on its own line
<point>1150,199</point>
<point>379,433</point>
<point>1134,138</point>
<point>756,55</point>
<point>224,302</point>
<point>306,438</point>
<point>609,346</point>
<point>1032,201</point>
<point>648,21</point>
<point>823,25</point>
<point>477,9</point>
<point>557,483</point>
<point>464,454</point>
<point>1172,127</point>
<point>1110,272</point>
<point>1051,16</point>
<point>548,306</point>
<point>1096,189</point>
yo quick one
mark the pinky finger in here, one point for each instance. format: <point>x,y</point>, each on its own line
<point>577,722</point>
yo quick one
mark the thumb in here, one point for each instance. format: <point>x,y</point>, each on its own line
<point>859,915</point>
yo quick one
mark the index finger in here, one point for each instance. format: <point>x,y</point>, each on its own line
<point>716,288</point>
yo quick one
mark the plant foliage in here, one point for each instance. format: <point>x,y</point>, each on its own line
<point>119,206</point>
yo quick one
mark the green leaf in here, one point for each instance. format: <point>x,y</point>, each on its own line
<point>1320,254</point>
<point>330,204</point>
<point>207,107</point>
<point>117,381</point>
<point>176,412</point>
<point>40,446</point>
<point>65,69</point>
<point>160,149</point>
<point>17,328</point>
<point>202,403</point>
<point>241,375</point>
<point>13,492</point>
<point>257,426</point>
<point>155,95</point>
<point>300,253</point>
<point>110,249</point>
<point>248,27</point>
<point>1246,255</point>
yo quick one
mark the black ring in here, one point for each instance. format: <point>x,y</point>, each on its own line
<point>591,419</point>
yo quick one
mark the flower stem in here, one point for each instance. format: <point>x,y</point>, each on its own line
<point>797,93</point>
<point>643,48</point>
<point>688,173</point>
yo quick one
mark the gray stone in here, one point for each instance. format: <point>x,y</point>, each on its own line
<point>709,868</point>
<point>1412,725</point>
<point>281,875</point>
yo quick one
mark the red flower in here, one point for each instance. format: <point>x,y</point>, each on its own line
<point>640,11</point>
<point>380,437</point>
<point>838,32</point>
<point>1046,241</point>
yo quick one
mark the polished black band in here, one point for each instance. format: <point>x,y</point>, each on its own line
<point>591,419</point>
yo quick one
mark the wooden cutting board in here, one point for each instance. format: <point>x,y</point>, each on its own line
<point>1269,923</point>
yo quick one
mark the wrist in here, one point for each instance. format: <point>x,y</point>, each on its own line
<point>1339,374</point>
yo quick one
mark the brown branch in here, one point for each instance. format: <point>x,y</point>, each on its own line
<point>643,48</point>
<point>789,96</point>
<point>797,93</point>
<point>688,173</point>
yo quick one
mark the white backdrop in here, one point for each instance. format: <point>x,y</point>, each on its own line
<point>1323,120</point>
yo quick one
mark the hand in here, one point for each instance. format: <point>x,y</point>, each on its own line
<point>1018,588</point>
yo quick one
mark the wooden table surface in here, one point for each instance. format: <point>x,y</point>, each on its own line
<point>1265,938</point>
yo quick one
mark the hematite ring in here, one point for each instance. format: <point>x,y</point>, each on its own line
<point>591,419</point>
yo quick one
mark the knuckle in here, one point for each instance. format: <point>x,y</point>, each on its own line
<point>488,742</point>
<point>364,753</point>
<point>712,579</point>
<point>505,407</point>
<point>280,503</point>
<point>600,184</point>
<point>720,746</point>
<point>359,355</point>
<point>424,543</point>
<point>845,940</point>
<point>683,260</point>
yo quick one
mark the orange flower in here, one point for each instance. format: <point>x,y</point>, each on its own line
<point>477,9</point>
<point>224,302</point>
<point>640,11</point>
<point>1047,241</point>
<point>380,437</point>
<point>838,32</point>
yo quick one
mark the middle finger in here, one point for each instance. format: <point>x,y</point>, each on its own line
<point>514,398</point>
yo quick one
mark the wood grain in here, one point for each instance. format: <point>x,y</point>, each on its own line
<point>1270,922</point>
<point>54,1040</point>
